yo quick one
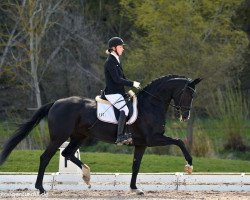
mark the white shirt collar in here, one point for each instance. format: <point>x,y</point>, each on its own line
<point>116,56</point>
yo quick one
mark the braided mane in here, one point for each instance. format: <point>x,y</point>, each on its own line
<point>157,81</point>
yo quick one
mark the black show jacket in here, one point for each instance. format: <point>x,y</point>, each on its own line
<point>114,77</point>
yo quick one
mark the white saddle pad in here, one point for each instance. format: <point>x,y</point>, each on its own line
<point>105,111</point>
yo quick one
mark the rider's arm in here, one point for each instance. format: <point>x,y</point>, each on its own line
<point>113,70</point>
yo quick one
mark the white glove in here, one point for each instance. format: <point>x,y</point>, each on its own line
<point>136,85</point>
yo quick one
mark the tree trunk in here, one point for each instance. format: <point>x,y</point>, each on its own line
<point>33,64</point>
<point>190,130</point>
<point>5,52</point>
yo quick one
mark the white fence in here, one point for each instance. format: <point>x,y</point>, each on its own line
<point>115,181</point>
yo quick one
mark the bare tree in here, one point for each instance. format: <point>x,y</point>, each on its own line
<point>32,19</point>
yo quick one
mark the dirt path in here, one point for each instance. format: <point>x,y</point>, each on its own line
<point>121,195</point>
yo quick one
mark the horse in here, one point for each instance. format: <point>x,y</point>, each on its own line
<point>75,118</point>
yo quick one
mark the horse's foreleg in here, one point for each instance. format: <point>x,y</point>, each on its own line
<point>184,150</point>
<point>138,154</point>
<point>44,161</point>
<point>161,140</point>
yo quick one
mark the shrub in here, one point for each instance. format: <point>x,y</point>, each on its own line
<point>202,145</point>
<point>231,109</point>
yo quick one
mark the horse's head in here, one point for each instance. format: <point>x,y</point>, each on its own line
<point>178,88</point>
<point>183,98</point>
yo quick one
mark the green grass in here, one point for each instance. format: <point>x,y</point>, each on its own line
<point>28,161</point>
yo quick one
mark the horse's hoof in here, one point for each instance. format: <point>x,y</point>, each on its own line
<point>86,174</point>
<point>188,168</point>
<point>137,191</point>
<point>42,191</point>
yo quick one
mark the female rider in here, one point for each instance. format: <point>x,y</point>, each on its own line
<point>115,82</point>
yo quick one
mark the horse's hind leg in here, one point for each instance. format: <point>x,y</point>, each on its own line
<point>138,154</point>
<point>69,153</point>
<point>44,161</point>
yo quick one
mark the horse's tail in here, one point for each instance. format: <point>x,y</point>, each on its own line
<point>23,130</point>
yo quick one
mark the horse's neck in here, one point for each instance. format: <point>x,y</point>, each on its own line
<point>161,95</point>
<point>154,111</point>
<point>155,100</point>
<point>158,95</point>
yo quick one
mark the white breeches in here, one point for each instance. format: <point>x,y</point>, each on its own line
<point>118,101</point>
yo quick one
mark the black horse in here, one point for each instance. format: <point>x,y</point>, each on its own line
<point>75,118</point>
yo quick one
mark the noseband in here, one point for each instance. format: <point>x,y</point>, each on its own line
<point>177,107</point>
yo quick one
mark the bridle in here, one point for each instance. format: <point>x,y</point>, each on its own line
<point>178,107</point>
<point>184,108</point>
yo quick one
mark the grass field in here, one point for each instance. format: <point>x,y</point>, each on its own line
<point>28,161</point>
<point>211,139</point>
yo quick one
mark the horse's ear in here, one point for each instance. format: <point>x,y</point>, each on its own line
<point>196,81</point>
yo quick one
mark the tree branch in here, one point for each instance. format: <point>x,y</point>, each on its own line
<point>52,56</point>
<point>84,70</point>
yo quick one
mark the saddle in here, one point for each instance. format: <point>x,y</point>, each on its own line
<point>106,112</point>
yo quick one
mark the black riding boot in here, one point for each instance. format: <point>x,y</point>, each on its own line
<point>121,138</point>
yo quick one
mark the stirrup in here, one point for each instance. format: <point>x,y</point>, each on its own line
<point>128,135</point>
<point>124,139</point>
<point>121,141</point>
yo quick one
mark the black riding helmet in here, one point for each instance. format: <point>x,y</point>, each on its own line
<point>115,41</point>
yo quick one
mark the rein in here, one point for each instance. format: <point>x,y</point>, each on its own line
<point>178,107</point>
<point>174,106</point>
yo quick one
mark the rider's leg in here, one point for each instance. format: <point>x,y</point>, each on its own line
<point>120,129</point>
<point>118,101</point>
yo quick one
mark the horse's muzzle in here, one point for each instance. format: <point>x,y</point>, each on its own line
<point>184,116</point>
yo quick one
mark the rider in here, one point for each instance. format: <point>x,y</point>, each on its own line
<point>115,82</point>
